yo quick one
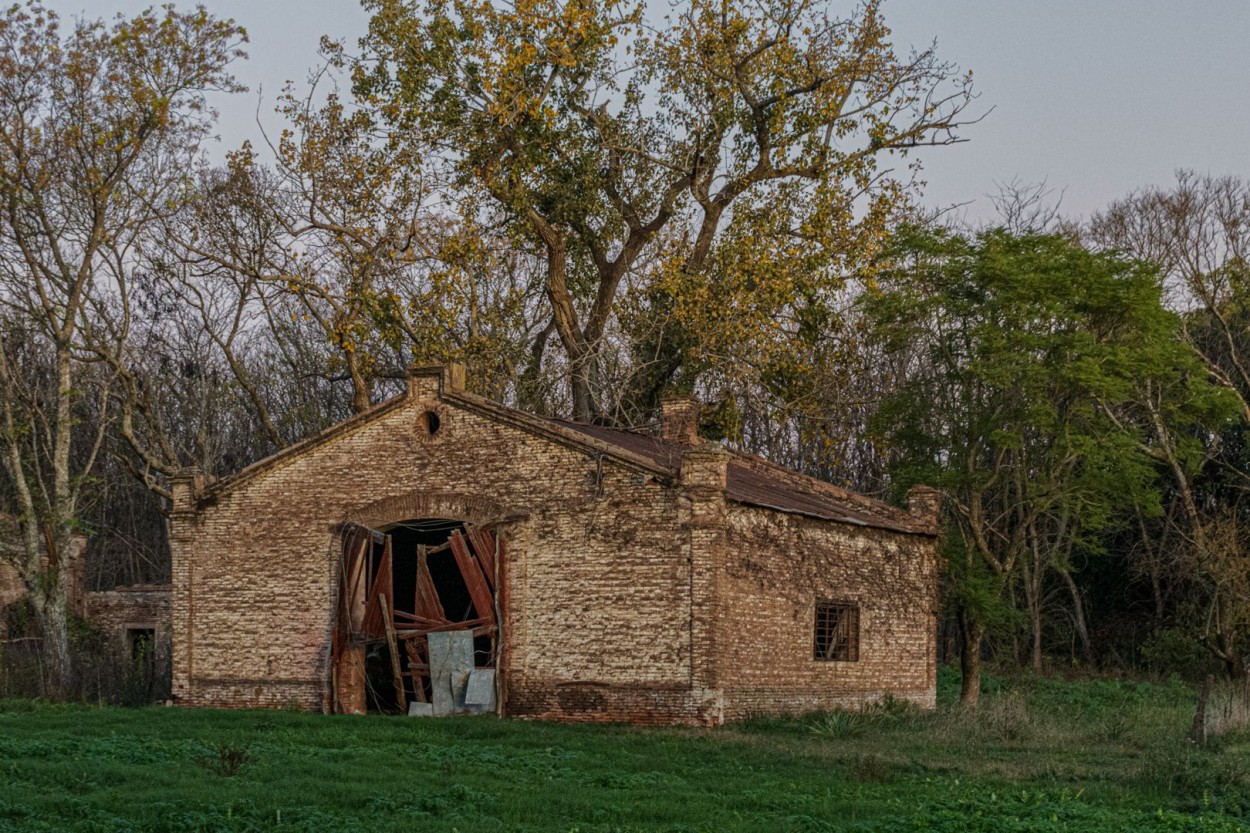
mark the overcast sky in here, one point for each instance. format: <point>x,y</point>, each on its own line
<point>1097,97</point>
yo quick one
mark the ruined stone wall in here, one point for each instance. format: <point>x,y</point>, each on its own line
<point>596,578</point>
<point>11,590</point>
<point>775,567</point>
<point>139,606</point>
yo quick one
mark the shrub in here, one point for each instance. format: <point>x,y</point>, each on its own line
<point>228,761</point>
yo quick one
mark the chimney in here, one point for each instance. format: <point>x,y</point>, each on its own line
<point>431,382</point>
<point>453,377</point>
<point>925,503</point>
<point>679,420</point>
<point>185,486</point>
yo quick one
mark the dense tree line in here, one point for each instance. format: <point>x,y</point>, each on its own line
<point>591,209</point>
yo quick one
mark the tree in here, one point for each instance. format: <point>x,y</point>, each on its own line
<point>687,156</point>
<point>1028,347</point>
<point>1198,236</point>
<point>95,126</point>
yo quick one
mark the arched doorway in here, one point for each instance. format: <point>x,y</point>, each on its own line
<point>417,628</point>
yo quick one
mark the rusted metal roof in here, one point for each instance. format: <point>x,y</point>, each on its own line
<point>753,481</point>
<point>659,452</point>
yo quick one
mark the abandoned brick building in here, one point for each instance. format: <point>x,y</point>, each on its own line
<point>442,553</point>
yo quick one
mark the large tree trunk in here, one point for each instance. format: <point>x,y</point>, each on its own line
<point>581,385</point>
<point>51,615</point>
<point>361,400</point>
<point>970,662</point>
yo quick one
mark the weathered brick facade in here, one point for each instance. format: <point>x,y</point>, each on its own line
<point>11,590</point>
<point>123,611</point>
<point>643,581</point>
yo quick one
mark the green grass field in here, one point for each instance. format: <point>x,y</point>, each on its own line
<point>1041,755</point>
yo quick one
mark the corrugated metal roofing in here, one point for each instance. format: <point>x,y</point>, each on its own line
<point>749,481</point>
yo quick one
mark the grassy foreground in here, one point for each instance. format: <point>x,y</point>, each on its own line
<point>1042,755</point>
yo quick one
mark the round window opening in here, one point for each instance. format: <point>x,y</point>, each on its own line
<point>432,422</point>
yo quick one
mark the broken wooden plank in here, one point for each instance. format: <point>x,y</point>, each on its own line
<point>349,655</point>
<point>469,624</point>
<point>418,617</point>
<point>427,604</point>
<point>383,587</point>
<point>400,696</point>
<point>354,589</point>
<point>483,544</point>
<point>418,666</point>
<point>471,571</point>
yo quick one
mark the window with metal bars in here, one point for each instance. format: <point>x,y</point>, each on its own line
<point>837,632</point>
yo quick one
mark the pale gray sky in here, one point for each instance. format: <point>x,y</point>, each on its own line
<point>1097,97</point>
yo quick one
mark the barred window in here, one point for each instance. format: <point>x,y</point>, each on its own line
<point>837,632</point>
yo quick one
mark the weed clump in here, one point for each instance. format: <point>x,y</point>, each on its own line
<point>228,761</point>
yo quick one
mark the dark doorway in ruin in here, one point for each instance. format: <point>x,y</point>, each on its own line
<point>141,643</point>
<point>417,622</point>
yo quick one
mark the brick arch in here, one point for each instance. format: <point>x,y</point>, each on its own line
<point>458,506</point>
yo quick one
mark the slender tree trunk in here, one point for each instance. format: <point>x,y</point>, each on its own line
<point>970,662</point>
<point>1226,642</point>
<point>1078,615</point>
<point>54,629</point>
<point>1033,603</point>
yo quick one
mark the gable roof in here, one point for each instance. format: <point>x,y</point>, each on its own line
<point>750,480</point>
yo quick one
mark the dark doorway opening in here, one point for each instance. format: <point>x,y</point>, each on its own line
<point>418,586</point>
<point>141,643</point>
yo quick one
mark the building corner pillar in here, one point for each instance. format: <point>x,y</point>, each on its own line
<point>702,480</point>
<point>185,488</point>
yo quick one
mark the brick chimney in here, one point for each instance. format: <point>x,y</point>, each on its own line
<point>679,420</point>
<point>185,486</point>
<point>925,503</point>
<point>430,382</point>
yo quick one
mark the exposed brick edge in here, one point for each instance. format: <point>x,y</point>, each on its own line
<point>278,458</point>
<point>422,504</point>
<point>531,423</point>
<point>549,429</point>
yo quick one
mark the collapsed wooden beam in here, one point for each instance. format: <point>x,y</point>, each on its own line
<point>401,697</point>
<point>483,544</point>
<point>475,581</point>
<point>383,588</point>
<point>427,604</point>
<point>475,625</point>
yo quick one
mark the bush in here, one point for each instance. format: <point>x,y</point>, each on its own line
<point>104,671</point>
<point>1178,651</point>
<point>1199,779</point>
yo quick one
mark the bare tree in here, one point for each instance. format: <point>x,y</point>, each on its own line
<point>95,125</point>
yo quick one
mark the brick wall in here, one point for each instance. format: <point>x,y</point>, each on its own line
<point>122,608</point>
<point>596,575</point>
<point>11,590</point>
<point>776,567</point>
<point>628,597</point>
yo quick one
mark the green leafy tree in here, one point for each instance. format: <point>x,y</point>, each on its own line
<point>1024,352</point>
<point>1197,233</point>
<point>728,156</point>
